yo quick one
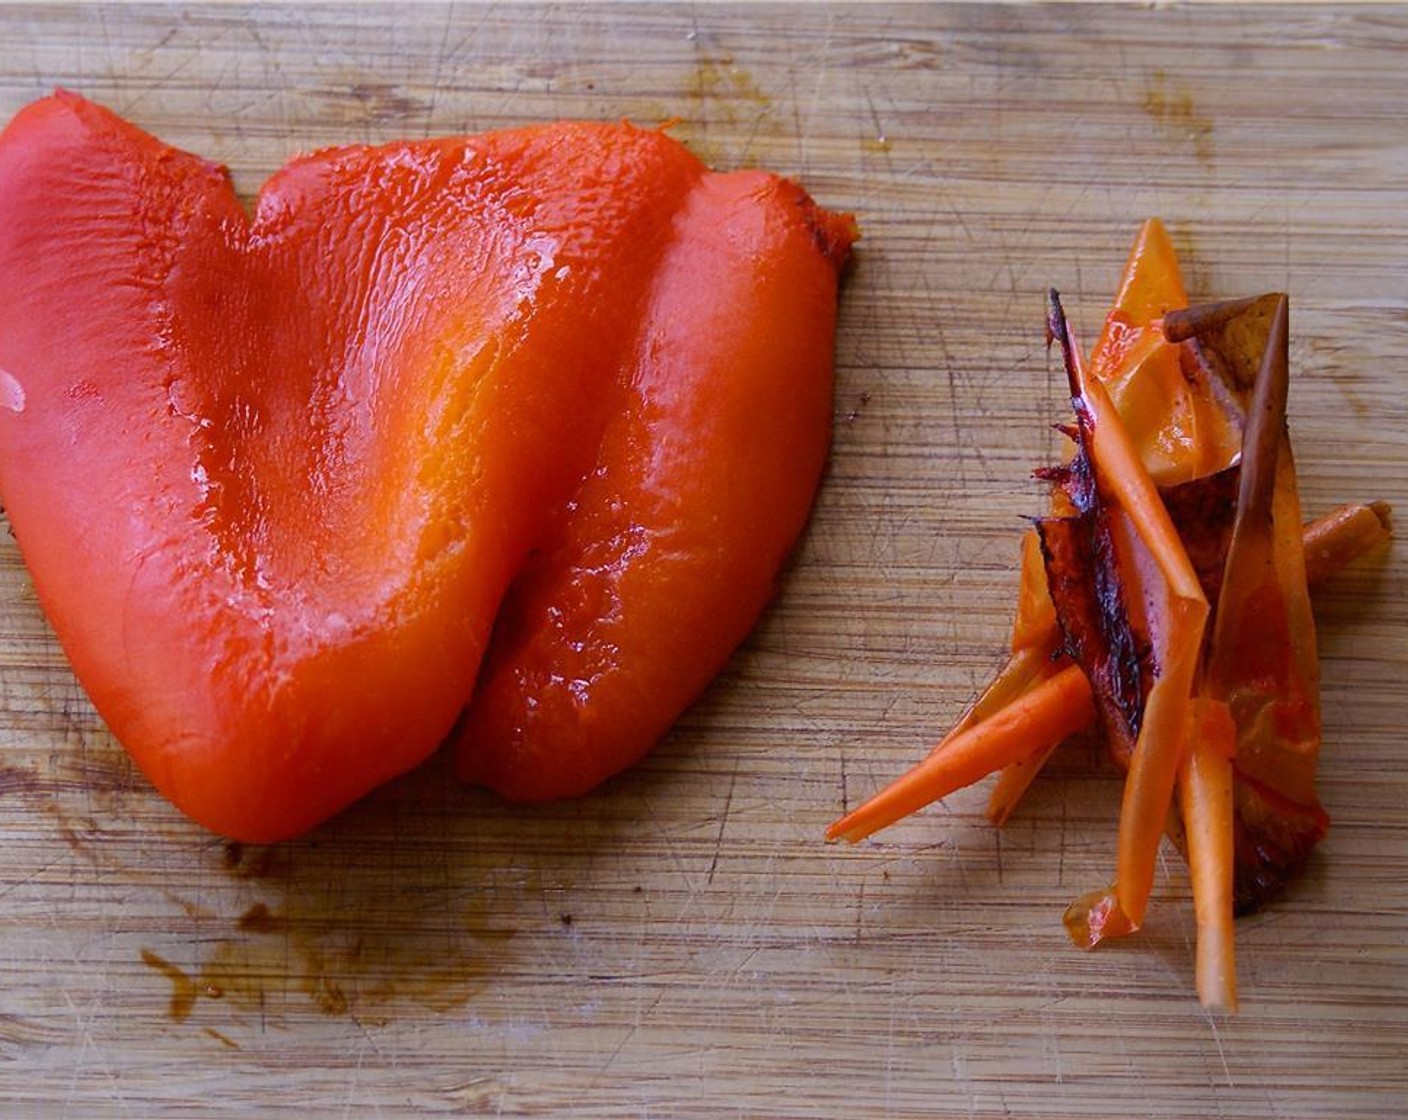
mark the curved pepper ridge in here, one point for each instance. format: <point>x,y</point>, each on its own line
<point>274,474</point>
<point>665,557</point>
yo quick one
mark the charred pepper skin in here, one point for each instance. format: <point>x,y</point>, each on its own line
<point>274,473</point>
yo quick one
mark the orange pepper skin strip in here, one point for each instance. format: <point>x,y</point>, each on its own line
<point>1035,642</point>
<point>1206,800</point>
<point>1152,285</point>
<point>1013,782</point>
<point>1034,627</point>
<point>666,555</point>
<point>1342,536</point>
<point>1036,720</point>
<point>1169,409</point>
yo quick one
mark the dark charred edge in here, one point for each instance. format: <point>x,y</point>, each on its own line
<point>1189,322</point>
<point>1227,340</point>
<point>1266,424</point>
<point>1203,512</point>
<point>1083,574</point>
<point>832,233</point>
<point>1272,837</point>
<point>1253,528</point>
<point>1094,624</point>
<point>1077,479</point>
<point>1058,330</point>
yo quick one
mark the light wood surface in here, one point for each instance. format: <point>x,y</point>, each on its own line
<point>682,943</point>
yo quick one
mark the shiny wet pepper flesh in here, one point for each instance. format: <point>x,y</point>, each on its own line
<point>552,402</point>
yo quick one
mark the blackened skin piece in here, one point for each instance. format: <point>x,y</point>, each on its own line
<point>1096,634</point>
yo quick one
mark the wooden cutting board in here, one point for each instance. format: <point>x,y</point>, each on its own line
<point>682,943</point>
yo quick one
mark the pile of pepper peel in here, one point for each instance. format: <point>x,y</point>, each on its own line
<point>1166,598</point>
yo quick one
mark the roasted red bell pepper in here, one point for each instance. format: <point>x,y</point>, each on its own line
<point>274,473</point>
<point>663,558</point>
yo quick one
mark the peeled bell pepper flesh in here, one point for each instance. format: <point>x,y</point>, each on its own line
<point>276,473</point>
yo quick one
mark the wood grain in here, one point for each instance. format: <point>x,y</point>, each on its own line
<point>681,943</point>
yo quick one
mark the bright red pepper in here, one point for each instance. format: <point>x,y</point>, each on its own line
<point>664,558</point>
<point>274,474</point>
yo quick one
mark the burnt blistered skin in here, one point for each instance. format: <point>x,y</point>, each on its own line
<point>1084,578</point>
<point>1089,597</point>
<point>1272,838</point>
<point>1203,511</point>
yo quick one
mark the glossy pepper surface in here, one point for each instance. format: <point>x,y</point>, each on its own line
<point>274,472</point>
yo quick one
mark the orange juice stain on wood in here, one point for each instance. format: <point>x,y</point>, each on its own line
<point>183,988</point>
<point>1178,118</point>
